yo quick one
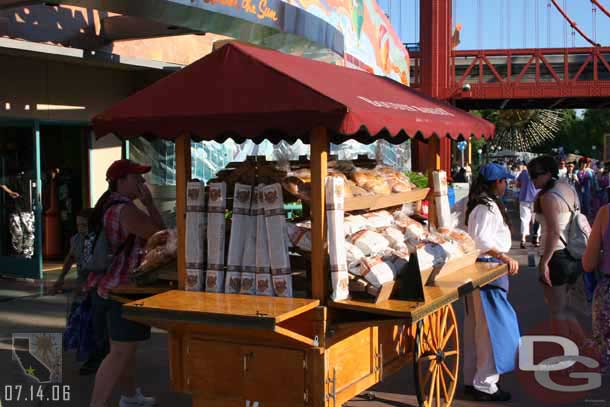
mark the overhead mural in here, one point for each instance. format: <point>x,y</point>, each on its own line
<point>370,42</point>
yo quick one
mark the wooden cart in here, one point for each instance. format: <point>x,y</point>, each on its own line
<point>236,350</point>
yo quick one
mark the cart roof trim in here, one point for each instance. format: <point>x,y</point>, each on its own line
<point>246,92</point>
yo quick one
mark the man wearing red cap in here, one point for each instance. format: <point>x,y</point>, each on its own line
<point>126,228</point>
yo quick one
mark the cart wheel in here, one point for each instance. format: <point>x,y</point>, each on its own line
<point>436,358</point>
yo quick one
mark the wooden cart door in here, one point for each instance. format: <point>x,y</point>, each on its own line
<point>274,376</point>
<point>223,360</point>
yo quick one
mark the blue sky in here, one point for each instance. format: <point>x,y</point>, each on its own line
<point>503,23</point>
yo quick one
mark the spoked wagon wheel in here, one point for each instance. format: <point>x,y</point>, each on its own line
<point>436,358</point>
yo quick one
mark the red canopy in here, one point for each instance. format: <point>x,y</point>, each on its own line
<point>243,91</point>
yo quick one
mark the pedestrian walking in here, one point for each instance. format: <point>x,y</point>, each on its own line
<point>585,185</point>
<point>527,195</point>
<point>491,330</point>
<point>602,182</point>
<point>571,173</point>
<point>82,333</point>
<point>126,229</point>
<point>597,257</point>
<point>563,169</point>
<point>559,270</point>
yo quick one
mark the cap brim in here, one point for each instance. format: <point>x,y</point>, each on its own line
<point>140,169</point>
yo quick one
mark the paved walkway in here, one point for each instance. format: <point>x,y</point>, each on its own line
<point>23,310</point>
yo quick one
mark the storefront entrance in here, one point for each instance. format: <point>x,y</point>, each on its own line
<point>20,200</point>
<point>44,169</point>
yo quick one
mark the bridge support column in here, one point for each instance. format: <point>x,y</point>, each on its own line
<point>435,39</point>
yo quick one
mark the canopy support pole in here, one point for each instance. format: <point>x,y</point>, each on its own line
<point>434,164</point>
<point>319,169</point>
<point>183,175</point>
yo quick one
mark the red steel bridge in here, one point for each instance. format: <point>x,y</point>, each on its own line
<point>510,78</point>
<point>527,78</point>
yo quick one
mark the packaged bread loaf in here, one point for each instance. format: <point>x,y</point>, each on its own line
<point>354,224</point>
<point>461,237</point>
<point>279,260</point>
<point>299,237</point>
<point>376,271</point>
<point>378,219</point>
<point>217,201</point>
<point>335,195</point>
<point>411,228</point>
<point>395,237</point>
<point>370,242</point>
<point>353,254</point>
<point>196,230</point>
<point>263,269</point>
<point>237,240</point>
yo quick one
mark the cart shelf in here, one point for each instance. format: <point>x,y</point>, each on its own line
<point>375,202</point>
<point>444,291</point>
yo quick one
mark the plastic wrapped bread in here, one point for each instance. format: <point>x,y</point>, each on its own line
<point>395,237</point>
<point>242,196</point>
<point>263,270</point>
<point>217,204</point>
<point>461,237</point>
<point>439,180</point>
<point>336,237</point>
<point>443,211</point>
<point>353,254</point>
<point>299,237</point>
<point>248,262</point>
<point>379,219</point>
<point>411,228</point>
<point>377,271</point>
<point>196,223</point>
<point>354,224</point>
<point>279,259</point>
<point>370,242</point>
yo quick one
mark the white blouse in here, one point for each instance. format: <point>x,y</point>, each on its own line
<point>487,228</point>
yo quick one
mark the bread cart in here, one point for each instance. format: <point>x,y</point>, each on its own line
<point>235,350</point>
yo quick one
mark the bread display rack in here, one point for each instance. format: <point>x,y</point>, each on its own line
<point>230,349</point>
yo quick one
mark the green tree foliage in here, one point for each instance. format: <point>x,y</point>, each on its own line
<point>575,133</point>
<point>582,133</point>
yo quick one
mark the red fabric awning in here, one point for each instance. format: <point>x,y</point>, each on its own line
<point>245,92</point>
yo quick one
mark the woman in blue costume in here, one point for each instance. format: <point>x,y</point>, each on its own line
<point>491,330</point>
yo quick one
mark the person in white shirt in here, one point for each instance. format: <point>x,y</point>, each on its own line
<point>563,170</point>
<point>491,330</point>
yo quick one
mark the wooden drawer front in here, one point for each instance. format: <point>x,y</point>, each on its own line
<point>353,358</point>
<point>215,369</point>
<point>274,376</point>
